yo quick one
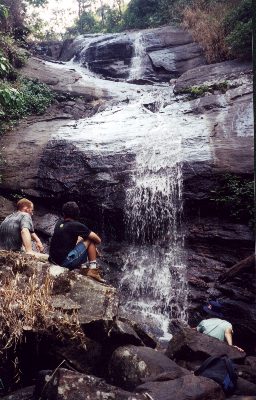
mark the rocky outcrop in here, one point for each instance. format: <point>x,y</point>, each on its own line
<point>63,80</point>
<point>164,53</point>
<point>129,365</point>
<point>213,75</point>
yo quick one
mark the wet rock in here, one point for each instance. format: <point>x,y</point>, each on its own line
<point>187,387</point>
<point>6,207</point>
<point>190,345</point>
<point>69,385</point>
<point>129,365</point>
<point>164,53</point>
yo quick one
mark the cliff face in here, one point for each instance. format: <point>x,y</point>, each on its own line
<point>88,146</point>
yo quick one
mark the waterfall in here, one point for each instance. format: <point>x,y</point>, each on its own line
<point>139,53</point>
<point>154,273</point>
<point>152,126</point>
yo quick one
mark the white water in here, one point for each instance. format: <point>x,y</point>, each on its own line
<point>153,283</point>
<point>139,54</point>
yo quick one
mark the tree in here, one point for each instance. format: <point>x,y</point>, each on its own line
<point>83,5</point>
<point>102,12</point>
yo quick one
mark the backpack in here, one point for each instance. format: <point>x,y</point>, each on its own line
<point>221,370</point>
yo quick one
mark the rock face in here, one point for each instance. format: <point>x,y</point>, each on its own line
<point>164,53</point>
<point>98,158</point>
<point>129,365</point>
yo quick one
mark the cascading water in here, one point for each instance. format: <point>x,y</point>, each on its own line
<point>139,53</point>
<point>154,276</point>
<point>153,283</point>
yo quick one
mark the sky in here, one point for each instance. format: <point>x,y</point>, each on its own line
<point>62,11</point>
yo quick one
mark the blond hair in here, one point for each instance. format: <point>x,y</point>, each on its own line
<point>22,203</point>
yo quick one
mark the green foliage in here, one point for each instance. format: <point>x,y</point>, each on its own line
<point>238,28</point>
<point>5,66</point>
<point>28,97</point>
<point>151,13</point>
<point>235,197</point>
<point>4,13</point>
<point>37,3</point>
<point>198,91</point>
<point>87,23</point>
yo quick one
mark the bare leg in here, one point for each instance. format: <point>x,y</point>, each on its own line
<point>91,251</point>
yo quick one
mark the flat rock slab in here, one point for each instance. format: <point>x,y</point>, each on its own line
<point>69,385</point>
<point>188,387</point>
<point>190,345</point>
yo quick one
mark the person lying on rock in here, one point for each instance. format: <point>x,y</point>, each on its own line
<point>216,327</point>
<point>17,230</point>
<point>73,243</point>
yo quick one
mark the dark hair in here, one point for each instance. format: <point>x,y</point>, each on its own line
<point>214,308</point>
<point>71,210</point>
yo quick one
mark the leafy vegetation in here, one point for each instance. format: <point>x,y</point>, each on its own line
<point>238,27</point>
<point>24,98</point>
<point>223,28</point>
<point>234,196</point>
<point>198,91</point>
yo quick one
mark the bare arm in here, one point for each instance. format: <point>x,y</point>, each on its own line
<point>26,240</point>
<point>38,242</point>
<point>228,336</point>
<point>94,238</point>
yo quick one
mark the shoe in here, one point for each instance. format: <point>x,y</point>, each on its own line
<point>93,273</point>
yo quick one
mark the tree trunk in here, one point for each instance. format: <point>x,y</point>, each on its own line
<point>247,263</point>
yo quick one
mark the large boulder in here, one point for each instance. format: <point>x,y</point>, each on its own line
<point>69,385</point>
<point>187,387</point>
<point>194,347</point>
<point>129,365</point>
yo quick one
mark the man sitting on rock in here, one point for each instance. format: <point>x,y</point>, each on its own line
<point>73,243</point>
<point>17,230</point>
<point>216,327</point>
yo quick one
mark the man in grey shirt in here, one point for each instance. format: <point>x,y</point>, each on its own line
<point>17,230</point>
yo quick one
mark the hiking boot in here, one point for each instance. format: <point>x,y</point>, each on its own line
<point>93,273</point>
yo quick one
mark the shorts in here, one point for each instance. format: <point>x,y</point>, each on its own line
<point>75,257</point>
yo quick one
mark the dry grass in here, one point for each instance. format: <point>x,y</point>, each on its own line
<point>25,304</point>
<point>207,28</point>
